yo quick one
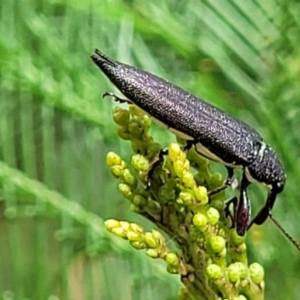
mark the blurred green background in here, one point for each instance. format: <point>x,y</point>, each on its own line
<point>55,130</point>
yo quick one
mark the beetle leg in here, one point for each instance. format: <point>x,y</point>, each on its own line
<point>265,211</point>
<point>227,211</point>
<point>116,98</point>
<point>242,213</point>
<point>229,181</point>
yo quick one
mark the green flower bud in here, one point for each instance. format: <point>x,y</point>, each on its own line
<point>146,121</point>
<point>151,240</point>
<point>152,253</point>
<point>135,111</point>
<point>136,209</point>
<point>201,194</point>
<point>123,133</point>
<point>172,259</point>
<point>135,129</point>
<point>256,272</point>
<point>138,245</point>
<point>153,149</point>
<point>111,223</point>
<point>214,272</point>
<point>185,198</point>
<point>188,179</point>
<point>166,193</point>
<point>216,180</point>
<point>139,200</point>
<point>213,216</point>
<point>125,190</point>
<point>113,159</point>
<point>140,162</point>
<point>120,116</point>
<point>217,243</point>
<point>199,220</point>
<point>171,269</point>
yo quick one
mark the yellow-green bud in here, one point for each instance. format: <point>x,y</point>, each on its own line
<point>111,223</point>
<point>152,253</point>
<point>214,272</point>
<point>188,179</point>
<point>172,259</point>
<point>125,190</point>
<point>120,116</point>
<point>199,220</point>
<point>158,236</point>
<point>201,194</point>
<point>113,159</point>
<point>136,228</point>
<point>125,225</point>
<point>134,236</point>
<point>119,231</point>
<point>217,243</point>
<point>179,168</point>
<point>256,272</point>
<point>235,238</point>
<point>213,216</point>
<point>234,272</point>
<point>151,240</point>
<point>117,170</point>
<point>241,248</point>
<point>140,162</point>
<point>243,270</point>
<point>185,198</point>
<point>175,153</point>
<point>129,178</point>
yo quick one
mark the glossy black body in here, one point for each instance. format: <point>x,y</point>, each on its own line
<point>224,138</point>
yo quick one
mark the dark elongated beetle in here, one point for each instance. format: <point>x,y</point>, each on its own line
<point>214,134</point>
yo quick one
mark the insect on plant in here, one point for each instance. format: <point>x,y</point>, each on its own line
<point>214,134</point>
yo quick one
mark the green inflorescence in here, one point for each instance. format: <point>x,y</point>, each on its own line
<point>173,192</point>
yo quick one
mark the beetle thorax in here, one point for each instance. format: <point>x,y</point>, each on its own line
<point>267,169</point>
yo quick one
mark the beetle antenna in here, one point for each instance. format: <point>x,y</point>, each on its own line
<point>291,239</point>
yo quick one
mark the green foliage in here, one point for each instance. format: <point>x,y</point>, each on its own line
<point>55,132</point>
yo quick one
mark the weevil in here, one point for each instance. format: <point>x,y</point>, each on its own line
<point>214,133</point>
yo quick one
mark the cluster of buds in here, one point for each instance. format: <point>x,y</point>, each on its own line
<point>153,242</point>
<point>172,189</point>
